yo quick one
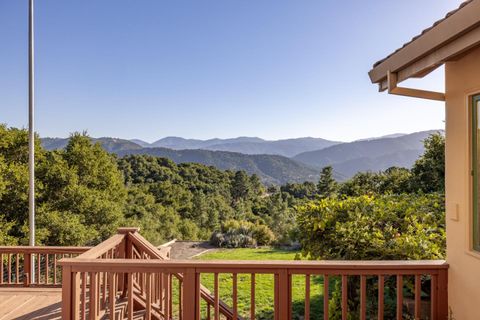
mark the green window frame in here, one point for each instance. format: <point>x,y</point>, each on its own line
<point>476,171</point>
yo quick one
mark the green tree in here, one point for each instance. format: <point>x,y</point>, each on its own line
<point>240,186</point>
<point>306,190</point>
<point>82,186</point>
<point>327,185</point>
<point>429,171</point>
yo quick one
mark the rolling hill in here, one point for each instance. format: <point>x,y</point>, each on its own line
<point>272,169</point>
<point>112,145</point>
<point>245,145</point>
<point>368,155</point>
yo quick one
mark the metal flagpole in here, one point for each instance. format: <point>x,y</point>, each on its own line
<point>31,135</point>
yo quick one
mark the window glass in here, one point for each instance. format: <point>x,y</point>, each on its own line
<point>476,171</point>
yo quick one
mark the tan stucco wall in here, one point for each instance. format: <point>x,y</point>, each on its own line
<point>462,80</point>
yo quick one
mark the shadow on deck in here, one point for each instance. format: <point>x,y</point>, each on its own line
<point>30,303</point>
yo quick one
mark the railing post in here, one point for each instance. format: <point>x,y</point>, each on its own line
<point>76,291</point>
<point>283,287</point>
<point>191,294</point>
<point>67,292</point>
<point>27,268</point>
<point>442,294</point>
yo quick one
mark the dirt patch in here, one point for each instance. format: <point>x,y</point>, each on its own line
<point>189,249</point>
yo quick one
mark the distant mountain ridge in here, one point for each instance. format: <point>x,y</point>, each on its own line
<point>245,145</point>
<point>112,145</point>
<point>369,155</point>
<point>267,158</point>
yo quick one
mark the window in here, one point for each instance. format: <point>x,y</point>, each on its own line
<point>476,171</point>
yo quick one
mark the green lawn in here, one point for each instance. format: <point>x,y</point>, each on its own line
<point>264,284</point>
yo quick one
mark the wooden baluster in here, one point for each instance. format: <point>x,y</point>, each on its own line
<point>55,281</point>
<point>433,297</point>
<point>105,284</point>
<point>235,297</point>
<point>93,306</point>
<point>208,311</point>
<point>180,299</point>
<point>418,297</point>
<point>381,296</point>
<point>1,268</point>
<point>325,296</point>
<point>61,257</point>
<point>148,280</point>
<point>17,268</point>
<point>161,293</point>
<point>363,297</point>
<point>112,297</point>
<point>216,309</point>
<point>27,267</point>
<point>130,296</point>
<point>38,278</point>
<point>157,286</point>
<point>46,269</point>
<point>170,295</point>
<point>307,297</point>
<point>252,296</point>
<point>399,297</point>
<point>166,283</point>
<point>83,310</point>
<point>9,270</point>
<point>344,297</point>
<point>99,291</point>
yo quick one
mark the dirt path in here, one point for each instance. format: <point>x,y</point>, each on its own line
<point>189,249</point>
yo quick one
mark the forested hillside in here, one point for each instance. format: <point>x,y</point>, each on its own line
<point>84,193</point>
<point>306,156</point>
<point>271,169</point>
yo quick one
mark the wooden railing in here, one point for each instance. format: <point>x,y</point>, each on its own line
<point>18,264</point>
<point>98,285</point>
<point>126,278</point>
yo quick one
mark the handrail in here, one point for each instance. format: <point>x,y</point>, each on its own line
<point>103,247</point>
<point>42,249</point>
<point>347,267</point>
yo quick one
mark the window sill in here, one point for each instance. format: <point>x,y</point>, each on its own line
<point>473,253</point>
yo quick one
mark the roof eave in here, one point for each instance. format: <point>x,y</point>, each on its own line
<point>460,23</point>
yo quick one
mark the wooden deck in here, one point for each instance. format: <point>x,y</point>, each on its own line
<point>30,303</point>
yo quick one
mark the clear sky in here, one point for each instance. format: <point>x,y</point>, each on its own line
<point>213,68</point>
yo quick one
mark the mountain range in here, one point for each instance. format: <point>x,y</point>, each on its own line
<point>368,155</point>
<point>280,161</point>
<point>245,145</point>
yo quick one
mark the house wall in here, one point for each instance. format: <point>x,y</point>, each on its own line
<point>462,80</point>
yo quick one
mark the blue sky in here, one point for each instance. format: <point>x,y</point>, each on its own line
<point>213,68</point>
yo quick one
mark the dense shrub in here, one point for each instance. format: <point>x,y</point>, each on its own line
<point>242,234</point>
<point>384,227</point>
<point>374,227</point>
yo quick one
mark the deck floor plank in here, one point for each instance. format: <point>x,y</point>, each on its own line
<point>30,303</point>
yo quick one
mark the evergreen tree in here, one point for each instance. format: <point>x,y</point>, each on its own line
<point>327,185</point>
<point>240,186</point>
<point>429,170</point>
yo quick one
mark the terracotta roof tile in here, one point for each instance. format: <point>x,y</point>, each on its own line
<point>424,31</point>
